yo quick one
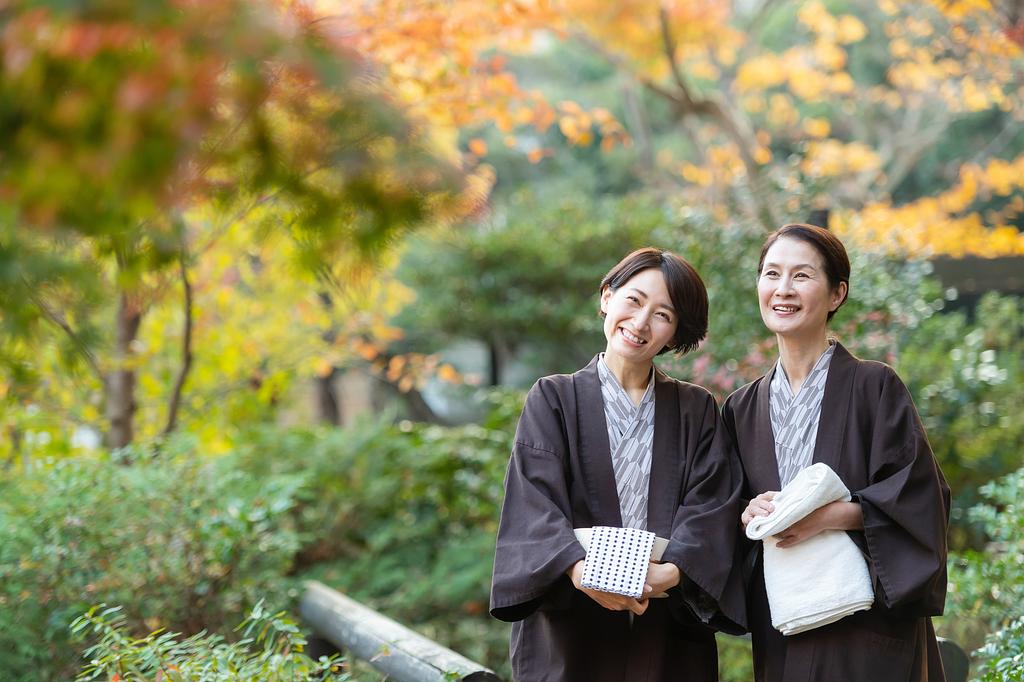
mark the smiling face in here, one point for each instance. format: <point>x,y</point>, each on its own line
<point>639,318</point>
<point>793,290</point>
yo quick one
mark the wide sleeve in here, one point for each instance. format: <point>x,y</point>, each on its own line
<point>705,530</point>
<point>905,507</point>
<point>536,544</point>
<point>747,550</point>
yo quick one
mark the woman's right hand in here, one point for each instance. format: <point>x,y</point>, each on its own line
<point>609,600</point>
<point>759,506</point>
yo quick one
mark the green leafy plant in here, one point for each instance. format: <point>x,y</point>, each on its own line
<point>401,517</point>
<point>271,650</point>
<point>181,540</point>
<point>987,586</point>
<point>1003,655</point>
<point>968,380</point>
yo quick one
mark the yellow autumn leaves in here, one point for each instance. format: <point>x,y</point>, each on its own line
<point>923,228</point>
<point>811,72</point>
<point>811,96</point>
<point>943,224</point>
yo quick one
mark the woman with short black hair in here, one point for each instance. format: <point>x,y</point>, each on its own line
<point>821,405</point>
<point>621,444</point>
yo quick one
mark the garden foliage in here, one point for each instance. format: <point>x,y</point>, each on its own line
<point>1003,655</point>
<point>987,585</point>
<point>401,516</point>
<point>967,378</point>
<point>179,540</point>
<point>271,651</point>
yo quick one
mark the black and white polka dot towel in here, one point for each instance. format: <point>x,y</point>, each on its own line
<point>617,560</point>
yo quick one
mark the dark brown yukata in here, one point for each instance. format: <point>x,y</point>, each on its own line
<point>560,477</point>
<point>870,434</point>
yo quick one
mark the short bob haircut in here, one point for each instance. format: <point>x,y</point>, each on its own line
<point>832,252</point>
<point>685,288</point>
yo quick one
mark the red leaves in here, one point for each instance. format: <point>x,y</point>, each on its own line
<point>84,40</point>
<point>1015,33</point>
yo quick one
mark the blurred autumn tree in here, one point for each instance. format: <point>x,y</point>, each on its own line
<point>196,150</point>
<point>223,152</point>
<point>775,109</point>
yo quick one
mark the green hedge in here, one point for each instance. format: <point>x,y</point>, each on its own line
<point>987,585</point>
<point>179,540</point>
<point>400,516</point>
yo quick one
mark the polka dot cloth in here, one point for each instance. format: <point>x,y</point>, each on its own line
<point>617,560</point>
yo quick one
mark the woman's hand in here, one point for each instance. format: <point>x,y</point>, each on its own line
<point>759,506</point>
<point>661,577</point>
<point>609,600</point>
<point>833,516</point>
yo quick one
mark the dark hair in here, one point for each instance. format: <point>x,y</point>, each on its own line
<point>832,252</point>
<point>685,288</point>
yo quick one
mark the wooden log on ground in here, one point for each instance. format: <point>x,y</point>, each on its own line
<point>388,646</point>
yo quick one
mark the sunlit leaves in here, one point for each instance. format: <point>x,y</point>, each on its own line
<point>946,223</point>
<point>850,128</point>
<point>843,29</point>
<point>116,115</point>
<point>434,56</point>
<point>761,72</point>
<point>440,60</point>
<point>832,158</point>
<point>118,120</point>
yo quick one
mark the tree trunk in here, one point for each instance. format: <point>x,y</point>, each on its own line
<point>328,402</point>
<point>500,355</point>
<point>186,348</point>
<point>419,410</point>
<point>120,382</point>
<point>494,362</point>
<point>14,437</point>
<point>327,408</point>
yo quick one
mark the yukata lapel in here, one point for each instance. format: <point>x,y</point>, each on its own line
<point>765,463</point>
<point>595,452</point>
<point>667,459</point>
<point>828,448</point>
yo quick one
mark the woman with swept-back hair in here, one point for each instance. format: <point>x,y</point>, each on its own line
<point>821,405</point>
<point>621,444</point>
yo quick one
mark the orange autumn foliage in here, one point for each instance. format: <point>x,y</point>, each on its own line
<point>743,100</point>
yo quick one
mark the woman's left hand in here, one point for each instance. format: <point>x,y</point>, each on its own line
<point>661,577</point>
<point>833,516</point>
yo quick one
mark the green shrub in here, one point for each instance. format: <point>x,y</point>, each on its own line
<point>735,659</point>
<point>987,586</point>
<point>401,517</point>
<point>271,651</point>
<point>182,541</point>
<point>1003,655</point>
<point>968,381</point>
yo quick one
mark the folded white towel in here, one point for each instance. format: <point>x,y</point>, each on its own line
<point>819,580</point>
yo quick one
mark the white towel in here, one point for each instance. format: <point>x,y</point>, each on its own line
<point>819,580</point>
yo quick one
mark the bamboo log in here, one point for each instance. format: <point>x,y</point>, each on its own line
<point>388,646</point>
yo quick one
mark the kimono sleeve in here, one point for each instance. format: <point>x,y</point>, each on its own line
<point>536,544</point>
<point>747,551</point>
<point>706,529</point>
<point>905,507</point>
